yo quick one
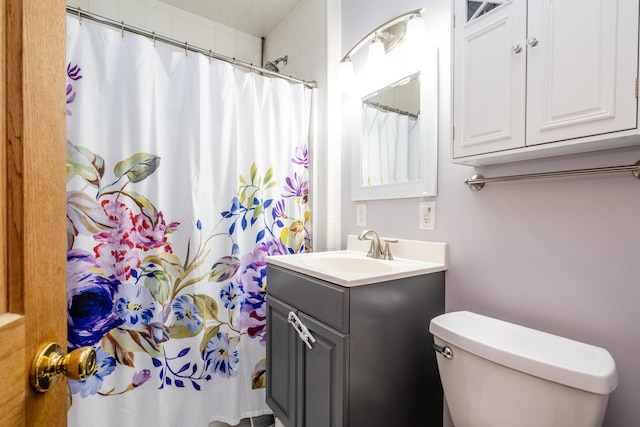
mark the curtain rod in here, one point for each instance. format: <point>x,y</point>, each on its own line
<point>477,182</point>
<point>184,45</point>
<point>388,108</point>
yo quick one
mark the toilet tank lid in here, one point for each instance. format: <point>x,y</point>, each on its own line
<point>551,357</point>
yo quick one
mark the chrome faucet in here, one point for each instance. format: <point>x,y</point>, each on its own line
<point>374,249</point>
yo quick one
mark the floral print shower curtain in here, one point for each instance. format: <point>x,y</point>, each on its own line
<point>183,174</point>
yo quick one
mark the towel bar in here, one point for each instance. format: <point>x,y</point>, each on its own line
<point>477,182</point>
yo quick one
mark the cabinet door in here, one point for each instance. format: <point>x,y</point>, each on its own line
<point>489,76</point>
<point>282,343</point>
<point>325,372</point>
<point>582,72</point>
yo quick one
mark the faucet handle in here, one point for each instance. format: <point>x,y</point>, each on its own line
<point>387,251</point>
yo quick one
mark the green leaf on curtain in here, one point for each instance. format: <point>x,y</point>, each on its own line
<point>145,205</point>
<point>207,306</point>
<point>83,162</point>
<point>209,333</point>
<point>257,211</point>
<point>137,167</point>
<point>159,284</point>
<point>111,344</point>
<point>268,176</point>
<point>253,172</point>
<point>224,269</point>
<point>182,331</point>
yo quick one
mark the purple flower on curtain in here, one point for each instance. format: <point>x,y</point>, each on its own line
<point>147,236</point>
<point>134,305</point>
<point>252,278</point>
<point>301,156</point>
<point>296,186</point>
<point>231,295</point>
<point>106,365</point>
<point>90,300</point>
<point>73,72</point>
<point>279,210</point>
<point>221,355</point>
<point>273,247</point>
<point>187,313</point>
<point>115,250</point>
<point>141,377</point>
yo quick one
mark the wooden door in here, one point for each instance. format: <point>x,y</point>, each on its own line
<point>32,206</point>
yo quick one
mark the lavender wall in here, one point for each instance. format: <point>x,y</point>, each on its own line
<point>556,255</point>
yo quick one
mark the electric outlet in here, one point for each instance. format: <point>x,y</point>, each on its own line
<point>427,216</point>
<point>361,215</point>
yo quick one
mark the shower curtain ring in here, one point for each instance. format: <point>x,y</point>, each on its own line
<point>154,38</point>
<point>122,28</point>
<point>79,15</point>
<point>186,46</point>
<point>210,55</point>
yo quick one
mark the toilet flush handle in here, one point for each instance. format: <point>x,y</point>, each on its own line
<point>445,351</point>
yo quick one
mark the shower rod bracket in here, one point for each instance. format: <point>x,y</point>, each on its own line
<point>477,182</point>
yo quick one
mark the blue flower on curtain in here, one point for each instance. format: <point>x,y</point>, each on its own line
<point>141,304</point>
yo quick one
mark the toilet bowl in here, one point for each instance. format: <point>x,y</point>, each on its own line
<point>498,374</point>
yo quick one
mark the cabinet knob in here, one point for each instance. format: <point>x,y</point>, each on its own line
<point>532,41</point>
<point>516,48</point>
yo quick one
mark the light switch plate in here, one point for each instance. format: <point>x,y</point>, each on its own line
<point>361,215</point>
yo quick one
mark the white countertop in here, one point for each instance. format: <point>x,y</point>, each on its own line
<point>352,267</point>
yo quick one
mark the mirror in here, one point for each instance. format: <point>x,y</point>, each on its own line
<point>394,152</point>
<point>389,151</point>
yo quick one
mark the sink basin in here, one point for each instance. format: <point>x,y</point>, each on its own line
<point>352,267</point>
<point>349,265</point>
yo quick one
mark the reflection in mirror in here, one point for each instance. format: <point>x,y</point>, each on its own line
<point>390,139</point>
<point>392,170</point>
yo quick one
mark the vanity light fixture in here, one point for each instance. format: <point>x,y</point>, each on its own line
<point>383,39</point>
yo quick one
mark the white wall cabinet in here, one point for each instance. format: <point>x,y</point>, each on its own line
<point>543,77</point>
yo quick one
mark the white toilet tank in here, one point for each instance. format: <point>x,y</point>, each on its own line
<point>506,375</point>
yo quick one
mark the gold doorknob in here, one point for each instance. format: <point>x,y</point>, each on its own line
<point>50,362</point>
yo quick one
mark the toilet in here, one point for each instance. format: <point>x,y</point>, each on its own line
<point>498,374</point>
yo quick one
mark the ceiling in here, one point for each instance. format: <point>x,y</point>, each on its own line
<point>256,17</point>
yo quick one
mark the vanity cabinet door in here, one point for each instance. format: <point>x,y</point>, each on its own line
<point>282,365</point>
<point>324,369</point>
<point>305,386</point>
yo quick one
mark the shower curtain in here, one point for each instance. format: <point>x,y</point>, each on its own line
<point>183,174</point>
<point>390,148</point>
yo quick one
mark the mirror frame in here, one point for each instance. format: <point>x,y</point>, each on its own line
<point>428,128</point>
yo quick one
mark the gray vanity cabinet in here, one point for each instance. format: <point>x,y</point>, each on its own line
<point>371,364</point>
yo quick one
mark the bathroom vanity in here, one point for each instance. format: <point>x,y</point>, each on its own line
<point>367,359</point>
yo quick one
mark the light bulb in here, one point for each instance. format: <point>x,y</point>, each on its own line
<point>347,75</point>
<point>416,33</point>
<point>375,59</point>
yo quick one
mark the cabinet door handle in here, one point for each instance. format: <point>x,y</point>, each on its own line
<point>301,329</point>
<point>532,41</point>
<point>516,48</point>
